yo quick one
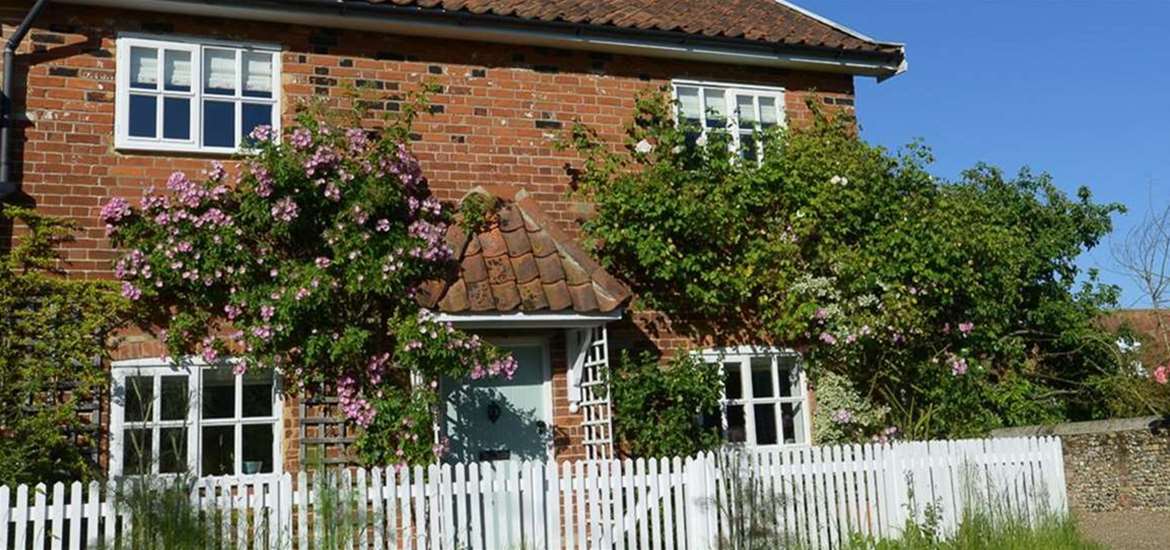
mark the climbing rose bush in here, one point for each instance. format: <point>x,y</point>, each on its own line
<point>306,261</point>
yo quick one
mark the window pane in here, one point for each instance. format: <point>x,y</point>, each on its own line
<point>219,71</point>
<point>253,115</point>
<point>788,376</point>
<point>792,422</point>
<point>174,398</point>
<point>769,115</point>
<point>136,446</point>
<point>689,108</point>
<point>745,109</point>
<point>257,394</point>
<point>139,398</point>
<point>218,393</point>
<point>172,450</point>
<point>257,74</point>
<point>143,68</point>
<point>177,69</point>
<point>219,446</point>
<point>257,449</point>
<point>716,107</point>
<point>765,424</point>
<point>762,377</point>
<point>219,123</point>
<point>732,382</point>
<point>736,424</point>
<point>176,118</point>
<point>143,115</point>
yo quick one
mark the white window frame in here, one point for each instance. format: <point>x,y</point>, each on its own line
<point>196,47</point>
<point>743,355</point>
<point>193,369</point>
<point>730,91</point>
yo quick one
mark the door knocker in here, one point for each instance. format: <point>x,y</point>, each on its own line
<point>493,411</point>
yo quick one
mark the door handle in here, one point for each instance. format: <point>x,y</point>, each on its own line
<point>541,427</point>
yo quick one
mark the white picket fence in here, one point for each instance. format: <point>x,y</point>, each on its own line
<point>813,497</point>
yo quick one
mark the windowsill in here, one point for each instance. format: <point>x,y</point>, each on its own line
<point>156,150</point>
<point>775,447</point>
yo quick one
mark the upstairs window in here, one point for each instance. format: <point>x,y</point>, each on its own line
<point>765,396</point>
<point>207,421</point>
<point>189,95</point>
<point>742,111</point>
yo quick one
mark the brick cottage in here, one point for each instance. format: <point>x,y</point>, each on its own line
<point>109,97</point>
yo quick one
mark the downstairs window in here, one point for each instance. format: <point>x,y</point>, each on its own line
<point>170,419</point>
<point>765,396</point>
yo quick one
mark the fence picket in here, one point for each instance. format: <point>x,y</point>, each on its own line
<point>420,508</point>
<point>473,499</point>
<point>568,508</point>
<point>5,516</point>
<point>552,485</point>
<point>621,479</point>
<point>583,490</point>
<point>459,492</point>
<point>20,517</point>
<point>488,475</point>
<point>515,532</point>
<point>39,513</point>
<point>300,499</point>
<point>666,489</point>
<point>446,507</point>
<point>398,508</point>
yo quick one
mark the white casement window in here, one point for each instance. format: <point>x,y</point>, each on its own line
<point>765,396</point>
<point>193,95</point>
<point>741,110</point>
<point>168,418</point>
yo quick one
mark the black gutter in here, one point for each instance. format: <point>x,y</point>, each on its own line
<point>7,186</point>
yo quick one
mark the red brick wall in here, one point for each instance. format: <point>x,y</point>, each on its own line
<point>493,123</point>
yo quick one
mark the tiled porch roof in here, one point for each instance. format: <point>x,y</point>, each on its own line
<point>522,261</point>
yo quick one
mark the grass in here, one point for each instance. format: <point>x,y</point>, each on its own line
<point>162,517</point>
<point>981,531</point>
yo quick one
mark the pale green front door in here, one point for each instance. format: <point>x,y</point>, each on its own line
<point>500,419</point>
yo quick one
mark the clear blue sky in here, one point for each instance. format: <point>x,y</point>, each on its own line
<point>1078,89</point>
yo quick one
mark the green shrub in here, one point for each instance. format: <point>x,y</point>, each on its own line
<point>959,302</point>
<point>659,409</point>
<point>54,335</point>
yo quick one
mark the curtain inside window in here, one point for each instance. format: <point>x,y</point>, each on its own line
<point>177,70</point>
<point>219,67</point>
<point>144,66</point>
<point>258,72</point>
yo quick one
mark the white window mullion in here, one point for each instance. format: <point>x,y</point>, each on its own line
<point>238,424</point>
<point>194,415</point>
<point>197,96</point>
<point>749,410</point>
<point>777,407</point>
<point>239,101</point>
<point>732,118</point>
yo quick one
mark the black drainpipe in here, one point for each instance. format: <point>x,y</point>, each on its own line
<point>7,186</point>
